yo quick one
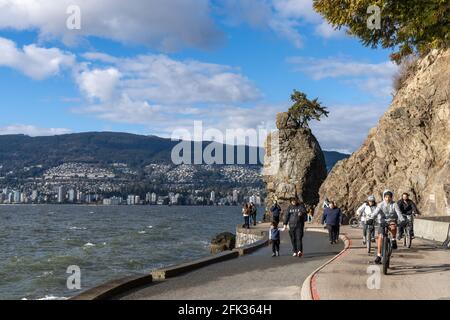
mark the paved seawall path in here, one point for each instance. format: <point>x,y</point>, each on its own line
<point>422,272</point>
<point>256,276</point>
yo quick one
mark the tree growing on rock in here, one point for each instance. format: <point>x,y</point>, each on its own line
<point>304,110</point>
<point>413,26</point>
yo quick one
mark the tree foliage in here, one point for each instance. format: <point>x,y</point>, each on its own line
<point>407,26</point>
<point>304,110</point>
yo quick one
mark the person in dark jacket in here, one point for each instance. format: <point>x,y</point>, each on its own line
<point>408,209</point>
<point>332,218</point>
<point>295,218</point>
<point>275,210</point>
<point>274,237</point>
<point>253,213</point>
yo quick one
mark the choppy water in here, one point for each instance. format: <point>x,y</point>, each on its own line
<point>38,243</point>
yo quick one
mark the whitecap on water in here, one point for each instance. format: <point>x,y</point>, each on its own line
<point>87,245</point>
<point>78,228</point>
<point>142,232</point>
<point>53,298</point>
<point>150,227</point>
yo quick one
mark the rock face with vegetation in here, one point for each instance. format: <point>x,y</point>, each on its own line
<point>409,150</point>
<point>223,242</point>
<point>294,164</point>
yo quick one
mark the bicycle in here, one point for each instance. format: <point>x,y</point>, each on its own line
<point>354,222</point>
<point>369,234</point>
<point>386,250</point>
<point>407,232</point>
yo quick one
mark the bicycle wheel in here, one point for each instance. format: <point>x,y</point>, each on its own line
<point>408,237</point>
<point>385,255</point>
<point>354,223</point>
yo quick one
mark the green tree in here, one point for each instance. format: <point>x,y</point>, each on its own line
<point>407,26</point>
<point>304,110</point>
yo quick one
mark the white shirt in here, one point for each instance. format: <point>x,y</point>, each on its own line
<point>366,212</point>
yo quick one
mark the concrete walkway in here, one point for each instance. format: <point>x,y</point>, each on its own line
<point>422,272</point>
<point>256,276</point>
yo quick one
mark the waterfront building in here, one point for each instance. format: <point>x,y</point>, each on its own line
<point>235,196</point>
<point>213,197</point>
<point>154,198</point>
<point>61,194</point>
<point>71,194</point>
<point>16,196</point>
<point>34,196</point>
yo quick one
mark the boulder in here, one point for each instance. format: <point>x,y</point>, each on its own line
<point>409,150</point>
<point>223,242</point>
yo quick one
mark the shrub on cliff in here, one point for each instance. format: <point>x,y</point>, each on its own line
<point>304,110</point>
<point>407,26</point>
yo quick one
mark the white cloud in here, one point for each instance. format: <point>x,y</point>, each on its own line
<point>326,31</point>
<point>162,80</point>
<point>32,130</point>
<point>164,24</point>
<point>98,83</point>
<point>286,18</point>
<point>36,62</point>
<point>373,78</point>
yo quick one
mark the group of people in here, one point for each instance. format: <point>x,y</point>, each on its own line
<point>295,217</point>
<point>249,211</point>
<point>387,212</point>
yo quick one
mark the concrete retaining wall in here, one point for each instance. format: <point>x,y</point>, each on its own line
<point>245,237</point>
<point>431,229</point>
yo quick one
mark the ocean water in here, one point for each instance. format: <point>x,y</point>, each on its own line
<point>39,243</point>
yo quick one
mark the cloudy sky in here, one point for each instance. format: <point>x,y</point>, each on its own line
<point>154,66</point>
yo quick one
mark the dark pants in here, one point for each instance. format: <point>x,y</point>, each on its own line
<point>246,222</point>
<point>296,233</point>
<point>276,219</point>
<point>333,232</point>
<point>276,246</point>
<point>254,219</point>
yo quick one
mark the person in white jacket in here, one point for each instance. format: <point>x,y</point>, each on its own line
<point>367,213</point>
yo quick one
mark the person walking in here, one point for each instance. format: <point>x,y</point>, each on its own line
<point>275,210</point>
<point>253,213</point>
<point>274,237</point>
<point>310,214</point>
<point>246,215</point>
<point>332,217</point>
<point>295,218</point>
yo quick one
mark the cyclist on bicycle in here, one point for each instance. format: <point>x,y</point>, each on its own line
<point>388,213</point>
<point>367,214</point>
<point>408,209</point>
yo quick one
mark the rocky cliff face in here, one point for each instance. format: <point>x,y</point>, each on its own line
<point>409,150</point>
<point>294,164</point>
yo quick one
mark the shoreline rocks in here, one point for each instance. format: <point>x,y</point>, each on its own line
<point>224,241</point>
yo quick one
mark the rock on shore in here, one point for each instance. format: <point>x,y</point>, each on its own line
<point>294,164</point>
<point>223,242</point>
<point>409,150</point>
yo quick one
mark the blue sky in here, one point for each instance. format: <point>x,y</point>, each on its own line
<point>151,67</point>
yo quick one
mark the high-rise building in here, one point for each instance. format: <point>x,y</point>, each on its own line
<point>154,198</point>
<point>16,196</point>
<point>34,196</point>
<point>235,196</point>
<point>61,194</point>
<point>213,197</point>
<point>71,194</point>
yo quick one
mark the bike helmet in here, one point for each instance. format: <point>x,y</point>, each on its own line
<point>371,198</point>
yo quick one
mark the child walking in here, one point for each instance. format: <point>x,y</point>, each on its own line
<point>274,236</point>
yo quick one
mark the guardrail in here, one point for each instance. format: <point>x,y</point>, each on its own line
<point>432,229</point>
